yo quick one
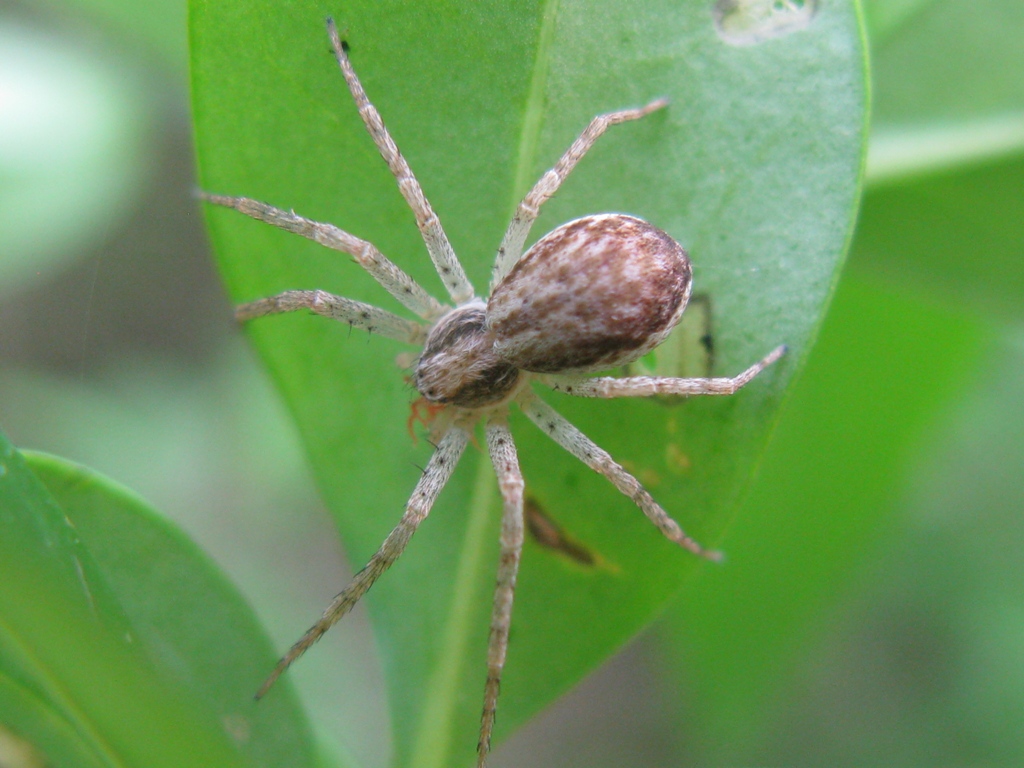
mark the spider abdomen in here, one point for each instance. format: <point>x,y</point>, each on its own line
<point>592,294</point>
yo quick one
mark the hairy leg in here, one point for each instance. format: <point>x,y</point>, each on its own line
<point>587,451</point>
<point>440,250</point>
<point>393,279</point>
<point>355,313</point>
<point>645,386</point>
<point>512,244</point>
<point>435,476</point>
<point>510,480</point>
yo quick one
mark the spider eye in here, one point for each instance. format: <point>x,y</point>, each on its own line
<point>592,294</point>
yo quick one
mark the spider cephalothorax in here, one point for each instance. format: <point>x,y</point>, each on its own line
<point>459,364</point>
<point>592,294</point>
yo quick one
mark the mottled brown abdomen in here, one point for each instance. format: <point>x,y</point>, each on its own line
<point>592,294</point>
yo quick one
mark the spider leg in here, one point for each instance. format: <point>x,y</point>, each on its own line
<point>587,451</point>
<point>394,280</point>
<point>435,476</point>
<point>441,253</point>
<point>511,247</point>
<point>357,314</point>
<point>645,386</point>
<point>510,480</point>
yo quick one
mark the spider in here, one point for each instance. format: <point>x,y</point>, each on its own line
<point>591,295</point>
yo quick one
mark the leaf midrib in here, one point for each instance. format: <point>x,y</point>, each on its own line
<point>433,742</point>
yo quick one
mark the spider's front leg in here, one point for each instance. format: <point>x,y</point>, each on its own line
<point>441,253</point>
<point>388,274</point>
<point>435,477</point>
<point>356,314</point>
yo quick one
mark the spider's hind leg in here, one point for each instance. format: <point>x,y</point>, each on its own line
<point>646,386</point>
<point>434,478</point>
<point>510,479</point>
<point>586,450</point>
<point>511,247</point>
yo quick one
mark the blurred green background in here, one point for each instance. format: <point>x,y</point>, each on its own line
<point>883,533</point>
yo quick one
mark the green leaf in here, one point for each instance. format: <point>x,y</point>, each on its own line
<point>190,621</point>
<point>943,594</point>
<point>957,235</point>
<point>74,682</point>
<point>949,590</point>
<point>944,208</point>
<point>884,17</point>
<point>946,89</point>
<point>940,224</point>
<point>886,364</point>
<point>754,167</point>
